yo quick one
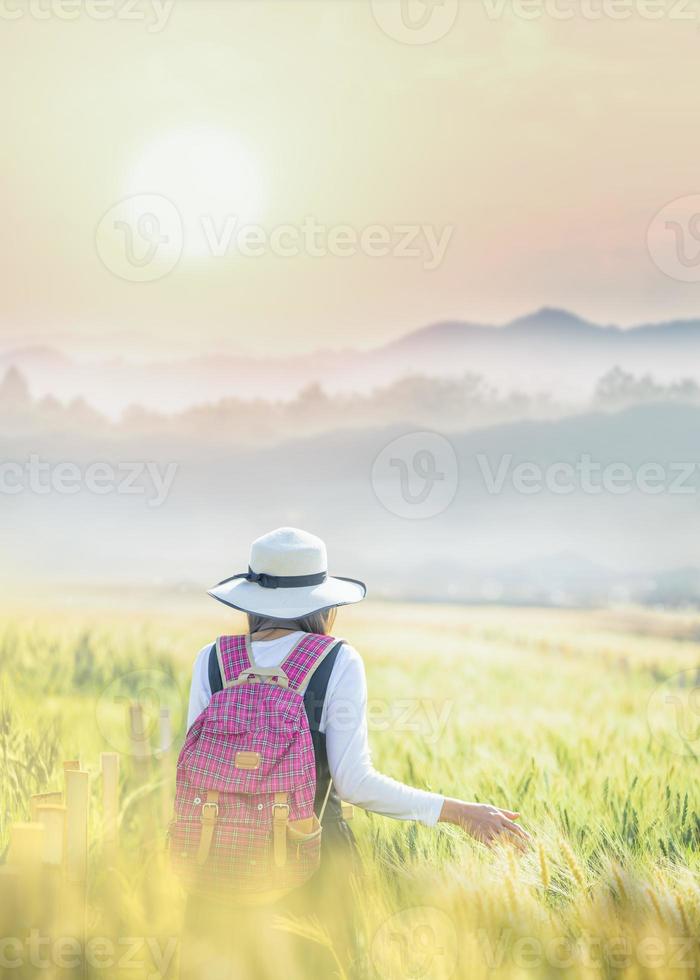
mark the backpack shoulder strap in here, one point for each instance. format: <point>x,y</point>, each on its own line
<point>304,659</point>
<point>316,687</point>
<point>214,671</point>
<point>233,655</point>
<point>313,673</point>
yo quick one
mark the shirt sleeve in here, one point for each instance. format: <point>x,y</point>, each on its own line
<point>344,721</point>
<point>200,691</point>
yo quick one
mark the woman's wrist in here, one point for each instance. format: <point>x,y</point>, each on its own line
<point>451,809</point>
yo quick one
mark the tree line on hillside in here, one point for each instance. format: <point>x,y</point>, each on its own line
<point>444,404</point>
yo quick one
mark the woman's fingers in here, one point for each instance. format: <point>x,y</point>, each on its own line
<point>516,841</point>
<point>504,836</point>
<point>511,814</point>
<point>506,830</point>
<point>515,829</point>
<point>501,826</point>
<point>519,838</point>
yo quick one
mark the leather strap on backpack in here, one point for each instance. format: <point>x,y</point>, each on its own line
<point>210,814</point>
<point>280,819</point>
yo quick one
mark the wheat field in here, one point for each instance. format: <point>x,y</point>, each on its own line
<point>584,721</point>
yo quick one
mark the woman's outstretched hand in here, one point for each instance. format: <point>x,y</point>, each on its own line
<point>485,823</point>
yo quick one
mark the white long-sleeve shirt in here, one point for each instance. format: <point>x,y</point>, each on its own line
<point>344,723</point>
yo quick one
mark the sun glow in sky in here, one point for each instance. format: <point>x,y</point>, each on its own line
<point>543,146</point>
<point>208,174</point>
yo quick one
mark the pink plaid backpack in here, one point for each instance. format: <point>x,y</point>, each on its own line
<point>244,822</point>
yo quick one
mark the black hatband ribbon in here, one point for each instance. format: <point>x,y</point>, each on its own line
<point>279,581</point>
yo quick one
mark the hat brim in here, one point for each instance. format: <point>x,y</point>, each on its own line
<point>249,597</point>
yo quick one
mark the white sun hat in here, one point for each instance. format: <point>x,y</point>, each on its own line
<point>287,578</point>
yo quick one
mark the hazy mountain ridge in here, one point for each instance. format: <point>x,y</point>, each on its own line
<point>251,452</point>
<point>550,350</point>
<point>547,319</point>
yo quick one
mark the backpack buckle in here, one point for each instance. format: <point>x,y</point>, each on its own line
<point>280,818</point>
<point>215,807</point>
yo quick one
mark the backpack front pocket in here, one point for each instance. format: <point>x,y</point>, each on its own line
<point>303,849</point>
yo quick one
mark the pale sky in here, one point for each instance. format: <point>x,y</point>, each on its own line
<point>537,152</point>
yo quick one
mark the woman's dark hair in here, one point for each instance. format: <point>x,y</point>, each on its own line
<point>318,622</point>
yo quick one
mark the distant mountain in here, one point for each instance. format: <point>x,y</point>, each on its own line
<point>547,322</point>
<point>551,351</point>
<point>556,327</point>
<point>550,320</point>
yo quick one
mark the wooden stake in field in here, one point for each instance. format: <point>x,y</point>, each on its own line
<point>26,845</point>
<point>110,800</point>
<point>24,855</point>
<point>141,756</point>
<point>76,824</point>
<point>52,817</point>
<point>43,799</point>
<point>75,862</point>
<point>10,911</point>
